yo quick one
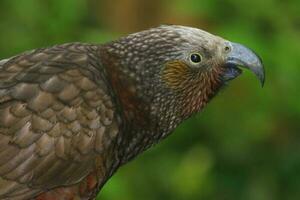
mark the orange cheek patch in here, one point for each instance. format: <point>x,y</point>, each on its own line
<point>176,74</point>
<point>194,87</point>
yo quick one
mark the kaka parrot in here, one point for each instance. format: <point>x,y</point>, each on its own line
<point>72,114</point>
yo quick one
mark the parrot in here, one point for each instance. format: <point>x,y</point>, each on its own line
<point>72,114</point>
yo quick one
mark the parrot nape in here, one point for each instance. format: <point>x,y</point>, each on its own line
<point>72,114</point>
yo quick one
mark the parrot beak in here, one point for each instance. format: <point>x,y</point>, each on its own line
<point>241,56</point>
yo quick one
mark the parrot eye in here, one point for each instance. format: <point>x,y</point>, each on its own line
<point>195,58</point>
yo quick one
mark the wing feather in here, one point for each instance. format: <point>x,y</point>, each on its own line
<point>56,117</point>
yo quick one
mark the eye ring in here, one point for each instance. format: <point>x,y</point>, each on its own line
<point>195,58</point>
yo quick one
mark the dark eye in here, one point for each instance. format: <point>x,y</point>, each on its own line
<point>195,58</point>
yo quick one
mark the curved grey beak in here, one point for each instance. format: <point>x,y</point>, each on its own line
<point>241,56</point>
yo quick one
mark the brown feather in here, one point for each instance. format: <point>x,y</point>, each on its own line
<point>49,126</point>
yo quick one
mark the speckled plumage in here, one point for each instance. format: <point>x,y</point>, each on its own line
<point>70,115</point>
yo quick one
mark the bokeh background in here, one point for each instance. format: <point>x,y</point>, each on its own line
<point>245,144</point>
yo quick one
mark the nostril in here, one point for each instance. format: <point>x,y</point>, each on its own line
<point>227,48</point>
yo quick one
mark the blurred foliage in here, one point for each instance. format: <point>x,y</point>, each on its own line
<point>245,144</point>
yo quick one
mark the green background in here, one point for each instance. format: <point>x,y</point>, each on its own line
<point>244,145</point>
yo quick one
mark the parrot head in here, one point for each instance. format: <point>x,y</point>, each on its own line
<point>177,70</point>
